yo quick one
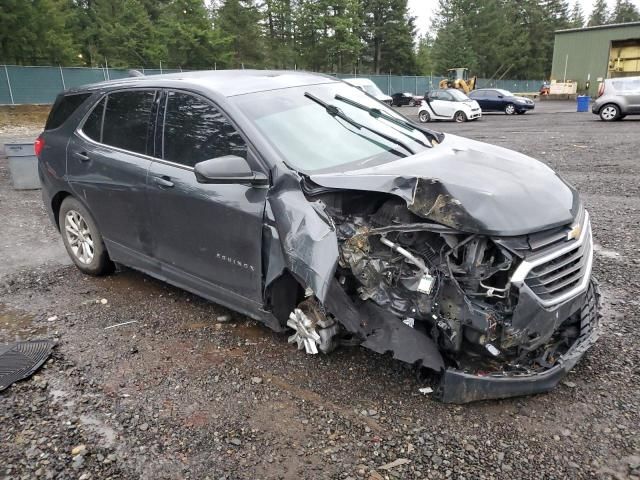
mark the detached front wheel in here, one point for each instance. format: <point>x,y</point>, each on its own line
<point>82,239</point>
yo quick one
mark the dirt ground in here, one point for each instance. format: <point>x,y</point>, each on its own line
<point>191,390</point>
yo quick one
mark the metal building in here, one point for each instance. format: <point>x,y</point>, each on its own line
<point>587,55</point>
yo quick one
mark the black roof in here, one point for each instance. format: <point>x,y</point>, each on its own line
<point>224,82</point>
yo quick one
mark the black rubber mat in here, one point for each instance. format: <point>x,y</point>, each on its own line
<point>20,360</point>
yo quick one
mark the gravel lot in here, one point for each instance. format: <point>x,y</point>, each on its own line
<point>191,390</point>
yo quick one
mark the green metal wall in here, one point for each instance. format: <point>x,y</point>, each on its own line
<point>586,51</point>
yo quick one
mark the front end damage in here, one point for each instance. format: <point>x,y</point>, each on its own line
<point>495,316</point>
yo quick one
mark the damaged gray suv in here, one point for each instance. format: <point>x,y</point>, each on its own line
<point>306,204</point>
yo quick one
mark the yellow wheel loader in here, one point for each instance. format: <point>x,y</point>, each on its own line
<point>459,78</point>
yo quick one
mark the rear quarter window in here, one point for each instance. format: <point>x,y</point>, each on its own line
<point>63,108</point>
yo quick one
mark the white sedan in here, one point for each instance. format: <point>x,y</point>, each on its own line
<point>448,104</point>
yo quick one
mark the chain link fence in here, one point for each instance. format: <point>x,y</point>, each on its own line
<point>40,85</point>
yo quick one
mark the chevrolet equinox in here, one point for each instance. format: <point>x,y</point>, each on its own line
<point>302,202</point>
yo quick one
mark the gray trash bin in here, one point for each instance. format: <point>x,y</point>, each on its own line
<point>23,165</point>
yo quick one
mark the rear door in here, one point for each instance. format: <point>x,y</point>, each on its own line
<point>107,163</point>
<point>208,237</point>
<point>634,95</point>
<point>480,96</point>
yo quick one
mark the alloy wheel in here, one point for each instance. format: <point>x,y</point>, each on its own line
<point>79,237</point>
<point>510,109</point>
<point>460,117</point>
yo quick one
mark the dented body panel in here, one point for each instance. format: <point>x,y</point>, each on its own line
<point>470,186</point>
<point>449,254</point>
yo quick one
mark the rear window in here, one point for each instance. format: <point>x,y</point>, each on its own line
<point>127,120</point>
<point>92,127</point>
<point>63,107</point>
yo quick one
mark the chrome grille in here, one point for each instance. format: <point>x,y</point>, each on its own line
<point>560,268</point>
<point>560,274</point>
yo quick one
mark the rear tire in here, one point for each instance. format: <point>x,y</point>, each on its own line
<point>424,117</point>
<point>510,109</point>
<point>460,117</point>
<point>82,239</point>
<point>609,112</point>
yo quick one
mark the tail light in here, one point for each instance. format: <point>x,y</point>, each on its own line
<point>38,145</point>
<point>601,89</point>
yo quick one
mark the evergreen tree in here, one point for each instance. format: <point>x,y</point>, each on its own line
<point>599,14</point>
<point>280,33</point>
<point>388,34</point>
<point>239,22</point>
<point>424,60</point>
<point>36,32</point>
<point>185,28</point>
<point>623,12</point>
<point>577,16</point>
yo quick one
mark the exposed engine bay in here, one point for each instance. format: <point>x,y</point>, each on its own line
<point>451,287</point>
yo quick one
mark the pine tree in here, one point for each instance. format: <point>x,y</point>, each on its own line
<point>577,16</point>
<point>623,12</point>
<point>239,22</point>
<point>424,61</point>
<point>37,33</point>
<point>599,14</point>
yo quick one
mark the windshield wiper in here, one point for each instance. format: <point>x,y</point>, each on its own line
<point>377,113</point>
<point>336,112</point>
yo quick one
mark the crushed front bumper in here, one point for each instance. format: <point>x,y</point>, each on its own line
<point>460,387</point>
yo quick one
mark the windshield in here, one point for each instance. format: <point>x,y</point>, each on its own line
<point>458,96</point>
<point>311,140</point>
<point>505,93</point>
<point>373,90</point>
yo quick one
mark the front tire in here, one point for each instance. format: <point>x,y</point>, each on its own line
<point>460,117</point>
<point>82,239</point>
<point>609,112</point>
<point>424,117</point>
<point>510,109</point>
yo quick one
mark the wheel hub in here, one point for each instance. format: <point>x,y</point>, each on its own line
<point>305,334</point>
<point>79,236</point>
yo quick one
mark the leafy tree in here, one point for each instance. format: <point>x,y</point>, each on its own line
<point>623,12</point>
<point>599,14</point>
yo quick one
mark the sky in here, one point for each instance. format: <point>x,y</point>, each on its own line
<point>423,10</point>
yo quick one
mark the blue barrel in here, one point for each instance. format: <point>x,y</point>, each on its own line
<point>583,103</point>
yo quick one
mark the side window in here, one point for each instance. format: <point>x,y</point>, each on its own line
<point>92,127</point>
<point>62,109</point>
<point>433,95</point>
<point>127,120</point>
<point>194,131</point>
<point>446,96</point>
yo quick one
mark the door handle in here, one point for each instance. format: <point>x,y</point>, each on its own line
<point>163,182</point>
<point>82,156</point>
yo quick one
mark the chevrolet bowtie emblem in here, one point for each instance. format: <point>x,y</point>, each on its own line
<point>574,233</point>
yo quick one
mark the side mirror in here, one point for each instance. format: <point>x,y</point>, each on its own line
<point>228,170</point>
<point>500,96</point>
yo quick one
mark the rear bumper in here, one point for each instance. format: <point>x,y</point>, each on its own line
<point>459,387</point>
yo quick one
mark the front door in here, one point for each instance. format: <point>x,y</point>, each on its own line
<point>208,237</point>
<point>107,163</point>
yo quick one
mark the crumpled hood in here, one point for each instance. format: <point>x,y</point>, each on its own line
<point>470,186</point>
